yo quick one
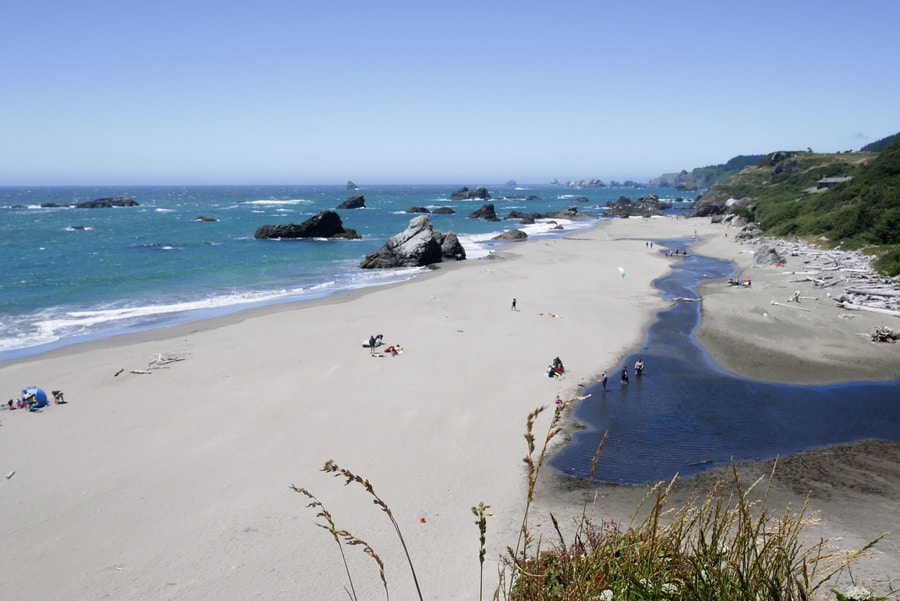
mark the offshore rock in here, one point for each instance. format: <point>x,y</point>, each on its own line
<point>351,185</point>
<point>586,183</point>
<point>324,224</point>
<point>486,212</point>
<point>105,203</point>
<point>357,201</point>
<point>418,245</point>
<point>479,193</point>
<point>100,203</point>
<point>444,211</point>
<point>645,206</point>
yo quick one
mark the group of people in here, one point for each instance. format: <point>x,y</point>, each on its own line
<point>638,370</point>
<point>33,401</point>
<point>376,341</point>
<point>555,369</point>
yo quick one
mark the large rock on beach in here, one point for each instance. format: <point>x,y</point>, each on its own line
<point>324,224</point>
<point>767,256</point>
<point>418,245</point>
<point>479,193</point>
<point>357,201</point>
<point>511,235</point>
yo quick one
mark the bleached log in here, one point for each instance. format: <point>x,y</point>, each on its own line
<point>855,307</point>
<point>788,306</point>
<point>874,291</point>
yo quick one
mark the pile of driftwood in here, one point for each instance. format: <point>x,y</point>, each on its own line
<point>885,334</point>
<point>848,279</point>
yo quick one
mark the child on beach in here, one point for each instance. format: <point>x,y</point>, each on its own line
<point>624,374</point>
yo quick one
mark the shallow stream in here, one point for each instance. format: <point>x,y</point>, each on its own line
<point>685,414</point>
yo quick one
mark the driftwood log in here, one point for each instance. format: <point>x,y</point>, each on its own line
<point>885,334</point>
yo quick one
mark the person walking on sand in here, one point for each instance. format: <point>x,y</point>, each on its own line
<point>624,374</point>
<point>514,305</point>
<point>639,367</point>
<point>602,380</point>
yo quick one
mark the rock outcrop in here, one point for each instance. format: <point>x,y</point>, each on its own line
<point>511,235</point>
<point>417,210</point>
<point>645,206</point>
<point>586,183</point>
<point>204,218</point>
<point>351,185</point>
<point>100,203</point>
<point>767,256</point>
<point>444,211</point>
<point>357,201</point>
<point>479,193</point>
<point>324,224</point>
<point>486,212</point>
<point>529,218</point>
<point>417,246</point>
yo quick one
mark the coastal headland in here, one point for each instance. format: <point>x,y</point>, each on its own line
<point>168,473</point>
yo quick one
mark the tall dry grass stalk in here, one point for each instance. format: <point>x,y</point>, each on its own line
<point>342,535</point>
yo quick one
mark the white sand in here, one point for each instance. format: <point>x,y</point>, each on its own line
<point>175,485</point>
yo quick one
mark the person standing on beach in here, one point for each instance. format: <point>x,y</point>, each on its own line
<point>602,380</point>
<point>514,305</point>
<point>639,367</point>
<point>624,374</point>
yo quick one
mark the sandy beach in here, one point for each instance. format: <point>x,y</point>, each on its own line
<point>175,484</point>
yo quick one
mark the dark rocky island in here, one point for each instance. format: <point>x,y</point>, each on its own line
<point>324,224</point>
<point>100,203</point>
<point>645,206</point>
<point>486,212</point>
<point>479,193</point>
<point>357,201</point>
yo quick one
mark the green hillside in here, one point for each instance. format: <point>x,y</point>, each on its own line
<point>808,195</point>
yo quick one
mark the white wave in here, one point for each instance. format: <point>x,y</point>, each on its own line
<point>273,202</point>
<point>159,210</point>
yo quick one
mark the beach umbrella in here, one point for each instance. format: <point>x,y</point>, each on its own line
<point>621,272</point>
<point>40,396</point>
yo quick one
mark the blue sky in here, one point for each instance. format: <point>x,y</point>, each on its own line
<point>468,93</point>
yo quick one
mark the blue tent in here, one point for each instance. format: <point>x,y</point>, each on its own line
<point>40,397</point>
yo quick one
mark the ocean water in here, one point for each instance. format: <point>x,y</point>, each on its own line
<point>72,275</point>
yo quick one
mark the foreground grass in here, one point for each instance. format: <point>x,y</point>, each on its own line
<point>726,545</point>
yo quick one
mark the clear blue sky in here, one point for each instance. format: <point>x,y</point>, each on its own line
<point>463,92</point>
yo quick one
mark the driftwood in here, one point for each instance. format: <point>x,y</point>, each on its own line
<point>788,306</point>
<point>885,334</point>
<point>855,307</point>
<point>865,289</point>
<point>873,291</point>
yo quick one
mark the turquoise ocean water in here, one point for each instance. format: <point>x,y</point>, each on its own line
<point>71,275</point>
